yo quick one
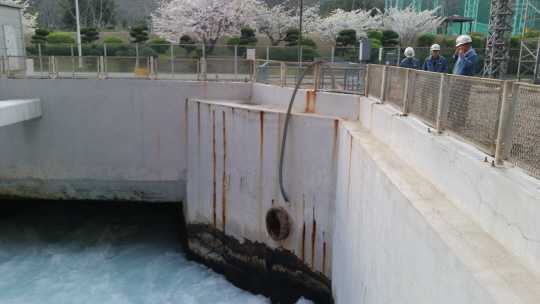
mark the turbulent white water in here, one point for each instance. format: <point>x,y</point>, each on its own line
<point>98,253</point>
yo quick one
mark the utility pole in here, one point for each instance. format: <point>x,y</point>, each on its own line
<point>78,33</point>
<point>300,33</point>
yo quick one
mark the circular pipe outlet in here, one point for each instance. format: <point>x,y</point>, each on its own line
<point>278,223</point>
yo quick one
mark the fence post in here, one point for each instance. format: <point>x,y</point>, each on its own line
<point>1,67</point>
<point>150,64</point>
<point>53,64</point>
<point>203,69</point>
<point>504,120</point>
<point>235,61</point>
<point>332,58</point>
<point>383,85</point>
<point>408,90</point>
<point>440,109</point>
<point>398,55</point>
<point>283,74</point>
<point>316,70</point>
<point>172,60</point>
<point>72,62</point>
<point>366,80</point>
<point>137,55</point>
<point>40,60</point>
<point>267,52</point>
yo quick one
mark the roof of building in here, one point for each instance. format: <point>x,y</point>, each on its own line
<point>2,3</point>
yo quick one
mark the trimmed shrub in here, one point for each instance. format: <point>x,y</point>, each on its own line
<point>113,39</point>
<point>346,37</point>
<point>40,36</point>
<point>42,32</point>
<point>514,42</point>
<point>157,45</point>
<point>376,43</point>
<point>148,52</point>
<point>374,35</point>
<point>232,42</point>
<point>140,33</point>
<point>389,38</point>
<point>89,35</point>
<point>309,42</point>
<point>32,49</point>
<point>425,40</point>
<point>448,43</point>
<point>57,38</point>
<point>291,36</point>
<point>185,42</point>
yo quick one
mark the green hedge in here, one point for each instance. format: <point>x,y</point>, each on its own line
<point>113,39</point>
<point>57,38</point>
<point>65,49</point>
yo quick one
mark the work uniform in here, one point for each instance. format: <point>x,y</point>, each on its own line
<point>414,64</point>
<point>438,65</point>
<point>465,64</point>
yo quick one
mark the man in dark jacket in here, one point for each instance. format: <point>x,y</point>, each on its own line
<point>435,62</point>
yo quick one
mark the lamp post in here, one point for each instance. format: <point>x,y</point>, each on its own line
<point>78,33</point>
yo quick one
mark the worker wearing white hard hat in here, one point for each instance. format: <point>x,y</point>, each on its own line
<point>465,57</point>
<point>435,62</point>
<point>410,62</point>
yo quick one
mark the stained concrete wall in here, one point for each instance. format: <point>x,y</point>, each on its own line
<point>234,154</point>
<point>93,132</point>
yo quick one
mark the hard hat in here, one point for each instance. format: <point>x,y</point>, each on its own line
<point>457,39</point>
<point>435,47</point>
<point>409,52</point>
<point>463,40</point>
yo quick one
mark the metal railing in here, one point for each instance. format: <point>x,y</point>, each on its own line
<point>500,118</point>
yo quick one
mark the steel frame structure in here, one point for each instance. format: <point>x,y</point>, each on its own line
<point>519,16</point>
<point>417,5</point>
<point>529,54</point>
<point>498,38</point>
<point>471,11</point>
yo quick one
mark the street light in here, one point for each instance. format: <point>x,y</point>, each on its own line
<point>78,33</point>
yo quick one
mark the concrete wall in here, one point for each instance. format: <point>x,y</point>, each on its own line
<point>128,131</point>
<point>234,153</point>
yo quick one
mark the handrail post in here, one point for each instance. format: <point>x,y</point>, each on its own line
<point>283,74</point>
<point>504,120</point>
<point>440,109</point>
<point>2,67</point>
<point>366,80</point>
<point>316,71</point>
<point>383,85</point>
<point>406,94</point>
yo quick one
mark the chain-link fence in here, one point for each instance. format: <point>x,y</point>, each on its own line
<point>268,72</point>
<point>424,96</point>
<point>177,69</point>
<point>77,67</point>
<point>396,86</point>
<point>339,77</point>
<point>473,110</point>
<point>375,80</point>
<point>127,67</point>
<point>523,141</point>
<point>231,70</point>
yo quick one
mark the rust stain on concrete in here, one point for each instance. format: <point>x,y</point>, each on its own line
<point>223,188</point>
<point>311,102</point>
<point>302,254</point>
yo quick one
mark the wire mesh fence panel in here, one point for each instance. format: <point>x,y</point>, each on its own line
<point>293,72</point>
<point>375,79</point>
<point>269,72</point>
<point>177,69</point>
<point>127,67</point>
<point>28,67</point>
<point>396,82</point>
<point>525,145</point>
<point>231,70</point>
<point>338,77</point>
<point>473,110</point>
<point>77,67</point>
<point>424,99</point>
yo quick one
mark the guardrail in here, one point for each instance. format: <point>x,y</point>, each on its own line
<point>500,118</point>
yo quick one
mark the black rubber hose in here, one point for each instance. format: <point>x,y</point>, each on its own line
<point>287,126</point>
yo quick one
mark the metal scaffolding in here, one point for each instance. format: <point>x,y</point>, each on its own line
<point>440,4</point>
<point>417,5</point>
<point>519,15</point>
<point>498,38</point>
<point>530,47</point>
<point>387,5</point>
<point>471,11</point>
<point>399,4</point>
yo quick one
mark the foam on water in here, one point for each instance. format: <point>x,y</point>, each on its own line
<point>104,253</point>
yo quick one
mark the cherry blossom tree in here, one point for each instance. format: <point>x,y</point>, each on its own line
<point>275,21</point>
<point>409,23</point>
<point>29,21</point>
<point>206,20</point>
<point>360,20</point>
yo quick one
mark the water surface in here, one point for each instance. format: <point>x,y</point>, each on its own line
<point>90,252</point>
